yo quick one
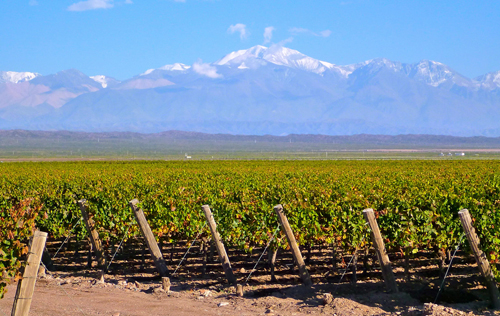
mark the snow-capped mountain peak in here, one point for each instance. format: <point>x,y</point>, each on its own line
<point>16,77</point>
<point>436,74</point>
<point>278,55</point>
<point>346,70</point>
<point>176,66</point>
<point>431,72</point>
<point>100,79</point>
<point>240,56</point>
<point>378,63</point>
<point>172,67</point>
<point>372,67</point>
<point>105,81</point>
<point>291,58</point>
<point>490,80</point>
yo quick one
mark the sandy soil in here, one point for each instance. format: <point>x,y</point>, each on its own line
<point>132,287</point>
<point>66,295</point>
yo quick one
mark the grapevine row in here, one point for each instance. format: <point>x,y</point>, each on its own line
<point>416,202</point>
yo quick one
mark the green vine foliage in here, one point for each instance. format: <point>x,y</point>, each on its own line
<point>416,202</point>
<point>17,224</point>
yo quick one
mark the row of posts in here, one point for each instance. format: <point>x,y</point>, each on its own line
<point>27,285</point>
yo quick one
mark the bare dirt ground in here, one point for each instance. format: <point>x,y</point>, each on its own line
<point>85,296</point>
<point>132,287</point>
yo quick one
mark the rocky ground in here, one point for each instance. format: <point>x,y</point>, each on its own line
<point>64,294</point>
<point>132,288</point>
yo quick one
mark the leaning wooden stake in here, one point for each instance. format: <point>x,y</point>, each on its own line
<point>165,284</point>
<point>383,258</point>
<point>304,274</point>
<point>224,259</point>
<point>94,236</point>
<point>156,254</point>
<point>239,290</point>
<point>482,261</point>
<point>26,285</point>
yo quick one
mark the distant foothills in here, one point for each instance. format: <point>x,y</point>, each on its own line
<point>259,91</point>
<point>48,139</point>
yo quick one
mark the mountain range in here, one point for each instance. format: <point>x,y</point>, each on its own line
<point>261,90</point>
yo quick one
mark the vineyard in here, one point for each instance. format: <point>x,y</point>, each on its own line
<point>415,202</point>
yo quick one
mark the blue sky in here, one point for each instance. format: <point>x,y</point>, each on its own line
<point>122,38</point>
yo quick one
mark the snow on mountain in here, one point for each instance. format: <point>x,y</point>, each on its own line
<point>346,70</point>
<point>291,58</point>
<point>262,87</point>
<point>240,56</point>
<point>53,90</point>
<point>16,77</point>
<point>71,79</point>
<point>374,65</point>
<point>283,56</point>
<point>431,72</point>
<point>105,81</point>
<point>147,72</point>
<point>243,66</point>
<point>489,81</point>
<point>100,79</point>
<point>435,74</point>
<point>173,67</point>
<point>176,66</point>
<point>278,55</point>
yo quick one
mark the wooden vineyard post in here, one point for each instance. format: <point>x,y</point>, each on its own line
<point>482,261</point>
<point>239,290</point>
<point>224,259</point>
<point>26,286</point>
<point>156,254</point>
<point>94,236</point>
<point>165,284</point>
<point>383,258</point>
<point>271,256</point>
<point>285,226</point>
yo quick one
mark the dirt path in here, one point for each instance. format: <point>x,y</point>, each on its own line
<point>133,288</point>
<point>84,296</point>
<point>85,299</point>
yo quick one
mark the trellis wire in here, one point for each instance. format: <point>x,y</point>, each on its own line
<point>69,235</point>
<point>268,243</point>
<point>72,301</point>
<point>350,261</point>
<point>347,267</point>
<point>449,266</point>
<point>119,246</point>
<point>192,243</point>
